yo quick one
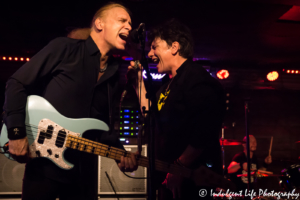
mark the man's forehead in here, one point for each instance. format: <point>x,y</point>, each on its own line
<point>118,12</point>
<point>156,41</point>
<point>251,138</point>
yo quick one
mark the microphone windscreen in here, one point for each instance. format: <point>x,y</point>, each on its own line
<point>134,36</point>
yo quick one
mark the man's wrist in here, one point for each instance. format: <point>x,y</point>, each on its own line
<point>16,133</point>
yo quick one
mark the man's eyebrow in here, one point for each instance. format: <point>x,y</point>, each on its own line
<point>123,18</point>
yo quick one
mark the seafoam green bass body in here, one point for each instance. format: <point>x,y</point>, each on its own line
<point>47,130</point>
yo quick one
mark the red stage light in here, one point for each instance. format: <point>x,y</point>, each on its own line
<point>21,59</point>
<point>296,71</point>
<point>16,58</point>
<point>4,58</point>
<point>223,74</point>
<point>127,58</point>
<point>292,71</point>
<point>27,59</point>
<point>288,71</point>
<point>272,76</point>
<point>9,58</point>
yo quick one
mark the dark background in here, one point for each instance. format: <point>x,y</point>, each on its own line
<point>249,38</point>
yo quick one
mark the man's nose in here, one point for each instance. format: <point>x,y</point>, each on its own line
<point>150,54</point>
<point>128,26</point>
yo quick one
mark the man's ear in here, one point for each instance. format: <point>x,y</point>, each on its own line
<point>175,48</point>
<point>98,24</point>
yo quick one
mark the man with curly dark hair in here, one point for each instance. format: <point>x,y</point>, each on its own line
<point>190,109</point>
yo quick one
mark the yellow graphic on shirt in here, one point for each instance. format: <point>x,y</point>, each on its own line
<point>162,100</point>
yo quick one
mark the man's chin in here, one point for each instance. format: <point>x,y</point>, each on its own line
<point>120,47</point>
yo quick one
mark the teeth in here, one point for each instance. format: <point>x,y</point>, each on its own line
<point>124,35</point>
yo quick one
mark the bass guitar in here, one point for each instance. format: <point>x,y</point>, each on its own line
<point>49,134</point>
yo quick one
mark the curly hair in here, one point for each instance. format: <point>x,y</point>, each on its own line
<point>171,31</point>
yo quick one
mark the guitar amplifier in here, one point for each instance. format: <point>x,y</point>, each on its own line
<point>121,183</point>
<point>11,176</point>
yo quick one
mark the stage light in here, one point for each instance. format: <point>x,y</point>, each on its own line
<point>22,59</point>
<point>4,58</point>
<point>272,76</point>
<point>16,58</point>
<point>127,58</point>
<point>292,71</point>
<point>10,58</point>
<point>155,76</point>
<point>223,74</point>
<point>27,59</point>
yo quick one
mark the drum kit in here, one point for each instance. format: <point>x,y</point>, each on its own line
<point>288,180</point>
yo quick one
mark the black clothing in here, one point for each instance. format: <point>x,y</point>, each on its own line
<point>241,182</point>
<point>65,73</point>
<point>190,113</point>
<point>41,188</point>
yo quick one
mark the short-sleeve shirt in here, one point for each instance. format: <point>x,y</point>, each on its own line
<point>241,182</point>
<point>191,108</point>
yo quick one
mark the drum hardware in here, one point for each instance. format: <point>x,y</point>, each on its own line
<point>231,142</point>
<point>290,178</point>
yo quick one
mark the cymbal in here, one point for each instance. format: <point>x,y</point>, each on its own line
<point>231,142</point>
<point>258,174</point>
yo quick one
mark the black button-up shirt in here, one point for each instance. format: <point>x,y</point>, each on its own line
<point>65,73</point>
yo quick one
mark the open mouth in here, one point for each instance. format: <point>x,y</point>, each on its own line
<point>155,60</point>
<point>123,36</point>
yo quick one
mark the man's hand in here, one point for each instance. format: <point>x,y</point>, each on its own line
<point>233,167</point>
<point>129,164</point>
<point>140,85</point>
<point>174,183</point>
<point>136,69</point>
<point>268,160</point>
<point>19,150</point>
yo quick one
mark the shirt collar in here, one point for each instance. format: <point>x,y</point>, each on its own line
<point>184,64</point>
<point>91,46</point>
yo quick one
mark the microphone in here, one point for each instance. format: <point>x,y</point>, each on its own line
<point>138,33</point>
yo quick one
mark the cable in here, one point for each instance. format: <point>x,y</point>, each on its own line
<point>111,184</point>
<point>134,177</point>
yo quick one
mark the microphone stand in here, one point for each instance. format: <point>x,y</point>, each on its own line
<point>248,145</point>
<point>223,151</point>
<point>151,97</point>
